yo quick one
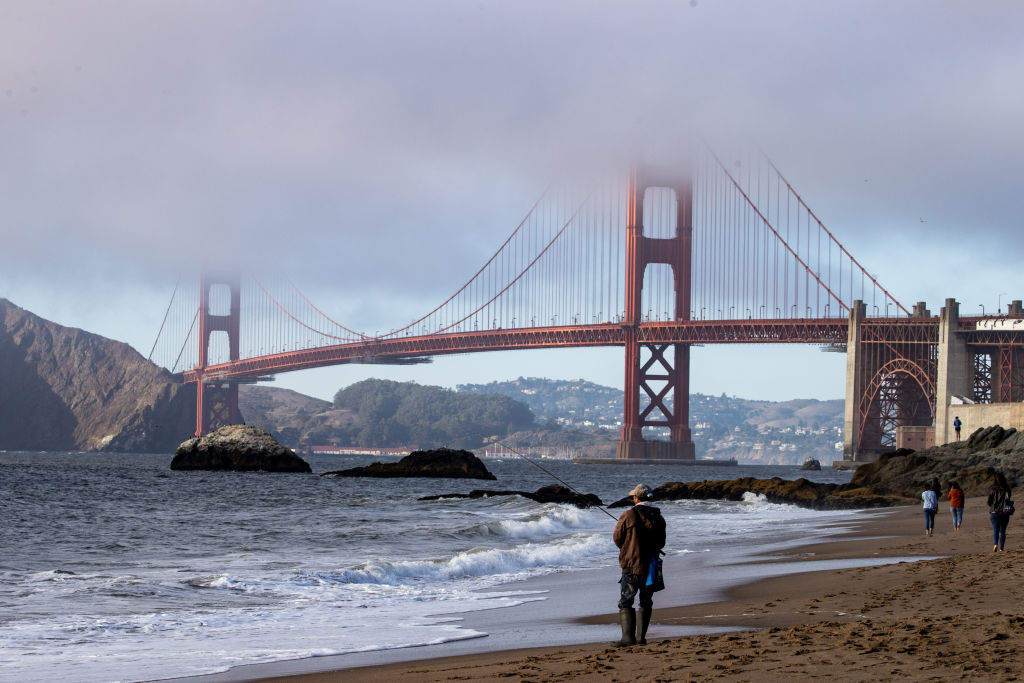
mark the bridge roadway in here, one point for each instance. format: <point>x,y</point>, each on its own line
<point>396,349</point>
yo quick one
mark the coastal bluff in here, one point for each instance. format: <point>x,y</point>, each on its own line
<point>237,448</point>
<point>443,463</point>
<point>65,389</point>
<point>896,478</point>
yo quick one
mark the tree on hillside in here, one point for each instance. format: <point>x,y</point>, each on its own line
<point>396,413</point>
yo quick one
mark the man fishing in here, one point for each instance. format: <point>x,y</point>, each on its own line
<point>640,536</point>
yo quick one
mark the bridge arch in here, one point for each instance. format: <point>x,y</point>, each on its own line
<point>900,392</point>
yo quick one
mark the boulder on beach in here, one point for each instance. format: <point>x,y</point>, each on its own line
<point>443,463</point>
<point>811,464</point>
<point>237,448</point>
<point>552,493</point>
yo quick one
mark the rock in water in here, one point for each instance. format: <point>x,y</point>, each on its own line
<point>237,448</point>
<point>552,493</point>
<point>442,463</point>
<point>811,464</point>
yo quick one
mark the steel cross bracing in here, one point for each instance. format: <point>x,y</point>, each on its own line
<point>896,377</point>
<point>998,357</point>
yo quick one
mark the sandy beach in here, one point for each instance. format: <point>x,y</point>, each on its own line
<point>957,617</point>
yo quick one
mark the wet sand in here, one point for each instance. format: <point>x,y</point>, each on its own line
<point>953,618</point>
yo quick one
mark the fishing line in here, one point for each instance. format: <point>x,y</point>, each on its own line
<point>554,476</point>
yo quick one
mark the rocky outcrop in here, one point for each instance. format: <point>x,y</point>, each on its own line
<point>553,493</point>
<point>444,463</point>
<point>62,388</point>
<point>238,448</point>
<point>801,492</point>
<point>896,478</point>
<point>811,464</point>
<point>971,463</point>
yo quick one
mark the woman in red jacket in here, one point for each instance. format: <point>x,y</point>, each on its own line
<point>956,504</point>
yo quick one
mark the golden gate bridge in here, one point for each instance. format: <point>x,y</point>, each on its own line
<point>659,262</point>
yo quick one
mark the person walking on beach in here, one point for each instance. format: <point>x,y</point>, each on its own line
<point>930,505</point>
<point>956,504</point>
<point>640,536</point>
<point>1000,507</point>
<point>956,426</point>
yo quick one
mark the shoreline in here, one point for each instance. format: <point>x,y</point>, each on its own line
<point>809,608</point>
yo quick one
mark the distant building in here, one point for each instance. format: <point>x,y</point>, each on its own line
<point>363,450</point>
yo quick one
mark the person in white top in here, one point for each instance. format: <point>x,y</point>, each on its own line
<point>931,506</point>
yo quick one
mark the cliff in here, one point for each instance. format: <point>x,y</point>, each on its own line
<point>62,388</point>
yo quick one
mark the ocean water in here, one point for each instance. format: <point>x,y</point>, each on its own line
<point>113,567</point>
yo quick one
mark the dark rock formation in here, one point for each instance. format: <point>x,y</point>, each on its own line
<point>896,478</point>
<point>811,464</point>
<point>238,448</point>
<point>65,389</point>
<point>553,493</point>
<point>444,463</point>
<point>971,463</point>
<point>776,490</point>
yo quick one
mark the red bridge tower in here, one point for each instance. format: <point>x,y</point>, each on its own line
<point>659,370</point>
<point>217,401</point>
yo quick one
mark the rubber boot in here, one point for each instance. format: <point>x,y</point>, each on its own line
<point>643,623</point>
<point>627,620</point>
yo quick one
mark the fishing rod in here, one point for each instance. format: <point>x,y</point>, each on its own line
<point>553,476</point>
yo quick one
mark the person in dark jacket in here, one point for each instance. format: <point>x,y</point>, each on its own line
<point>998,496</point>
<point>640,536</point>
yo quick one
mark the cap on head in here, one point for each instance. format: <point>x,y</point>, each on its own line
<point>641,491</point>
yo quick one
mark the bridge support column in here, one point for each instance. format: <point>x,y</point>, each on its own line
<point>954,371</point>
<point>661,371</point>
<point>217,402</point>
<point>854,382</point>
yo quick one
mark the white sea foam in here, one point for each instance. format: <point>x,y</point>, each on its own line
<point>554,519</point>
<point>500,564</point>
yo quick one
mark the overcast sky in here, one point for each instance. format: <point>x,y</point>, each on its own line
<point>139,138</point>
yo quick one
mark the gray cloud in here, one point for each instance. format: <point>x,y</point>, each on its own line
<point>306,136</point>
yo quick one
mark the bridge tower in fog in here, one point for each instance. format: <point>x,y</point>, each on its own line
<point>659,370</point>
<point>219,314</point>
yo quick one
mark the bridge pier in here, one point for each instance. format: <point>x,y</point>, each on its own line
<point>854,360</point>
<point>954,371</point>
<point>659,370</point>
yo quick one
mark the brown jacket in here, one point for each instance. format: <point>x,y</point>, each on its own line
<point>640,534</point>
